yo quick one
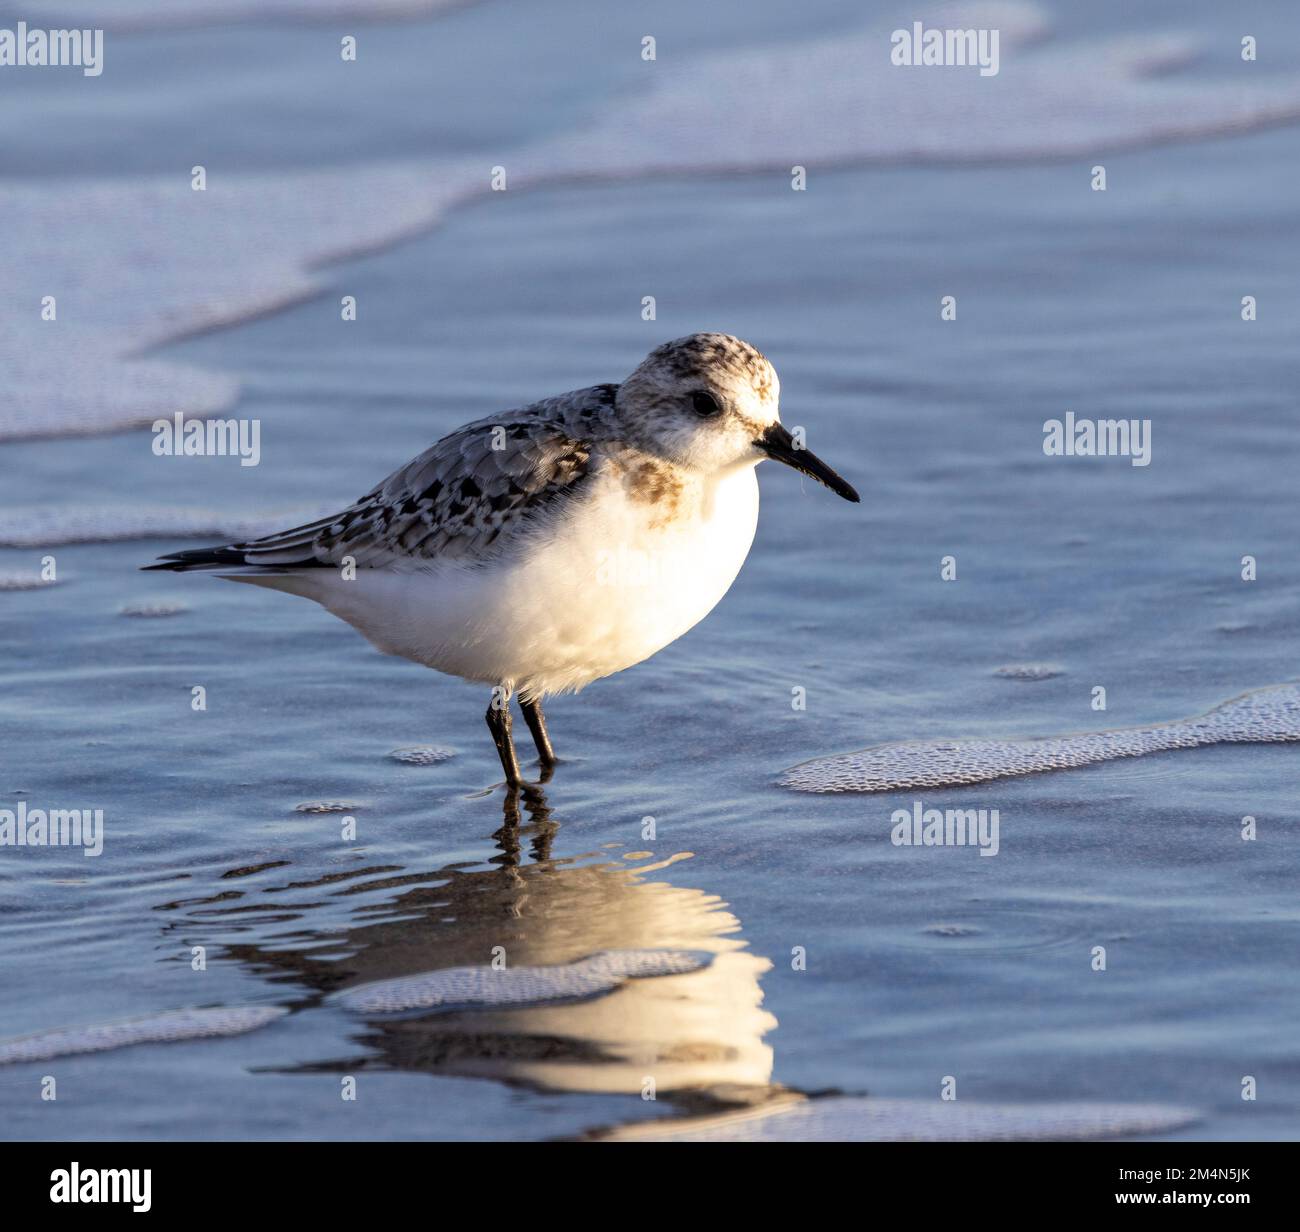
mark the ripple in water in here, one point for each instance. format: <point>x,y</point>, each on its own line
<point>951,930</point>
<point>164,1028</point>
<point>995,930</point>
<point>1264,716</point>
<point>486,987</point>
<point>326,806</point>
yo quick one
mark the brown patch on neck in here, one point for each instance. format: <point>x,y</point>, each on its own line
<point>649,481</point>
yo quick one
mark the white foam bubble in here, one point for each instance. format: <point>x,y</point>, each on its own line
<point>164,1028</point>
<point>915,1120</point>
<point>421,755</point>
<point>1266,715</point>
<point>484,987</point>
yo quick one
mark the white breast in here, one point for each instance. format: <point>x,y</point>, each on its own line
<point>612,584</point>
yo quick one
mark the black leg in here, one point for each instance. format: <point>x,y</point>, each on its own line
<point>499,724</point>
<point>536,720</point>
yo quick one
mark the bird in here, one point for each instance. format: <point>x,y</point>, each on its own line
<point>546,547</point>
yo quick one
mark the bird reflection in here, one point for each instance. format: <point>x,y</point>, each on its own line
<point>695,1038</point>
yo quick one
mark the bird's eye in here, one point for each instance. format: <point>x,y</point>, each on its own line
<point>704,404</point>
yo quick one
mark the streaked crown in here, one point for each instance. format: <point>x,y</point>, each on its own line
<point>701,401</point>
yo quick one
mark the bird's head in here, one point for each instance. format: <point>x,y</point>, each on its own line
<point>710,403</point>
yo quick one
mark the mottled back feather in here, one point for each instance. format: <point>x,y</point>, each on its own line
<point>466,498</point>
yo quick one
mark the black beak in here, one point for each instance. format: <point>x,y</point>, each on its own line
<point>779,445</point>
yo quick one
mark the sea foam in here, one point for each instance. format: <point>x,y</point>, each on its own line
<point>1266,715</point>
<point>51,525</point>
<point>164,1028</point>
<point>913,1120</point>
<point>127,15</point>
<point>148,260</point>
<point>487,987</point>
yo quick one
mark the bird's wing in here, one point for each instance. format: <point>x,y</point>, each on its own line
<point>467,496</point>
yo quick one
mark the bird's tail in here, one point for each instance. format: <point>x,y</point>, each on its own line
<point>227,556</point>
<point>287,549</point>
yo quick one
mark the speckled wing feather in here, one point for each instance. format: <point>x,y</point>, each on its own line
<point>466,497</point>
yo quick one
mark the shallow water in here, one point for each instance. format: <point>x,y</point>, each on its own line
<point>920,963</point>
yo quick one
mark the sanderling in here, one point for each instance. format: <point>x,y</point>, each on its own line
<point>541,549</point>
